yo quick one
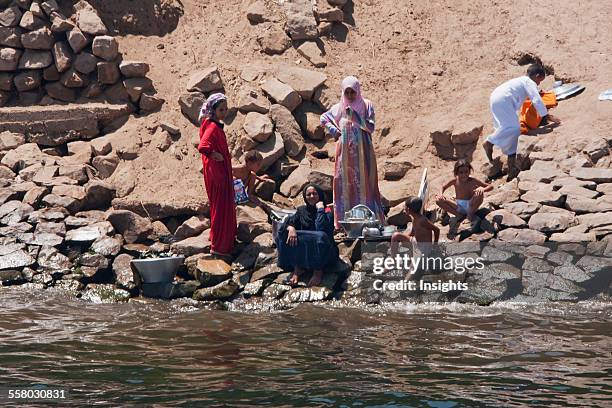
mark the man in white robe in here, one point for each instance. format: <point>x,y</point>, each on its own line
<point>506,101</point>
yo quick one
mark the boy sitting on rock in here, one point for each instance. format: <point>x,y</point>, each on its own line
<point>247,173</point>
<point>469,193</point>
<point>423,231</point>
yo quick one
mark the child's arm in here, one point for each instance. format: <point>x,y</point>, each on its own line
<point>434,229</point>
<point>447,185</point>
<point>251,184</point>
<point>485,186</point>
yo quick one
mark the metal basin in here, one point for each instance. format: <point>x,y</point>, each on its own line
<point>157,270</point>
<point>353,228</point>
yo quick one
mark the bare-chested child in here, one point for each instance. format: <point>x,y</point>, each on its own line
<point>469,192</point>
<point>247,172</point>
<point>423,231</point>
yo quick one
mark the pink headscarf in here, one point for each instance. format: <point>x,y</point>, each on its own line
<point>358,105</point>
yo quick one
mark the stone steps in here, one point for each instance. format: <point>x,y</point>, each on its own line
<point>57,124</point>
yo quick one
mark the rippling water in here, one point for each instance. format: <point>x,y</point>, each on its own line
<point>174,354</point>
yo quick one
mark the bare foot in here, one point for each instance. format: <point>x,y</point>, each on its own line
<point>316,278</point>
<point>295,277</point>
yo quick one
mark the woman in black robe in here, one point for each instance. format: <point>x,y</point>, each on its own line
<point>306,239</point>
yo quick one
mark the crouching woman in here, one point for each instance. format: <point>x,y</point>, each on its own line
<point>305,241</point>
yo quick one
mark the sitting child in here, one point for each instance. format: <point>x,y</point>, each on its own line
<point>247,173</point>
<point>469,192</point>
<point>423,232</point>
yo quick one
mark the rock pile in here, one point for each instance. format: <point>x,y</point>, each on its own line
<point>47,58</point>
<point>279,117</point>
<point>298,22</point>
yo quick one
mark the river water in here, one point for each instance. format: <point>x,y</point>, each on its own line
<point>175,354</point>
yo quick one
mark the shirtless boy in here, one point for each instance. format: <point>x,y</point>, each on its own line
<point>469,192</point>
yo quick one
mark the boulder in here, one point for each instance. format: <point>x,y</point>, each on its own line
<point>588,205</point>
<point>77,40</point>
<point>211,272</point>
<point>32,59</point>
<point>59,23</point>
<point>250,100</point>
<point>595,220</point>
<point>521,236</point>
<point>296,181</point>
<point>108,73</point>
<point>124,276</point>
<point>549,222</point>
<point>604,188</point>
<point>74,79</point>
<point>223,290</point>
<point>15,259</point>
<point>136,86</point>
<point>192,245</point>
<point>31,22</point>
<point>191,104</point>
<point>300,23</point>
<point>597,175</point>
<point>89,233</point>
<point>281,93</point>
<point>205,81</point>
<point>41,39</point>
<point>58,91</point>
<point>287,127</point>
<point>271,150</point>
<point>273,40</point>
<point>252,222</point>
<point>27,80</point>
<point>134,69</point>
<point>85,63</point>
<point>396,168</point>
<point>133,227</point>
<point>6,81</point>
<point>305,82</point>
<point>330,14</point>
<point>88,19</point>
<point>522,209</point>
<point>578,192</point>
<point>311,51</point>
<point>503,218</point>
<point>9,59</point>
<point>10,37</point>
<point>552,198</point>
<point>14,212</point>
<point>105,47</point>
<point>105,165</point>
<point>566,237</point>
<point>257,12</point>
<point>397,216</point>
<point>49,6</point>
<point>396,193</point>
<point>258,126</point>
<point>107,246</point>
<point>10,141</point>
<point>10,17</point>
<point>192,227</point>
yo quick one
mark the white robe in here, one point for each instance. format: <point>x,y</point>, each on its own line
<point>506,100</point>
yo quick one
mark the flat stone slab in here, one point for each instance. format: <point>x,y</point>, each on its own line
<point>58,124</point>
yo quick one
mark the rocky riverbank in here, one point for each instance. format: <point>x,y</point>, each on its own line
<point>74,210</point>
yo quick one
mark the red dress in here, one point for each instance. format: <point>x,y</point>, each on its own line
<point>219,186</point>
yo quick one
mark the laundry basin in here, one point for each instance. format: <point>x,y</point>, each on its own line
<point>158,270</point>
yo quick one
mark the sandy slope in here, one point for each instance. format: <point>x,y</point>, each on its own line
<point>394,47</point>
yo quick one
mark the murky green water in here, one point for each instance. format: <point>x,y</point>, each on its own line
<point>172,354</point>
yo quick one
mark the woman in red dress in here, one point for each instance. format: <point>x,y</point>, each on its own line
<point>218,179</point>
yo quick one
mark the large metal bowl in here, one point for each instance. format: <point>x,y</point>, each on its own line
<point>353,228</point>
<point>157,270</point>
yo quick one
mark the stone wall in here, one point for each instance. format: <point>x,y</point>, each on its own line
<point>47,58</point>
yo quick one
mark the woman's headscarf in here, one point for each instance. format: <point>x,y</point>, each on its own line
<point>358,105</point>
<point>307,214</point>
<point>208,109</point>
